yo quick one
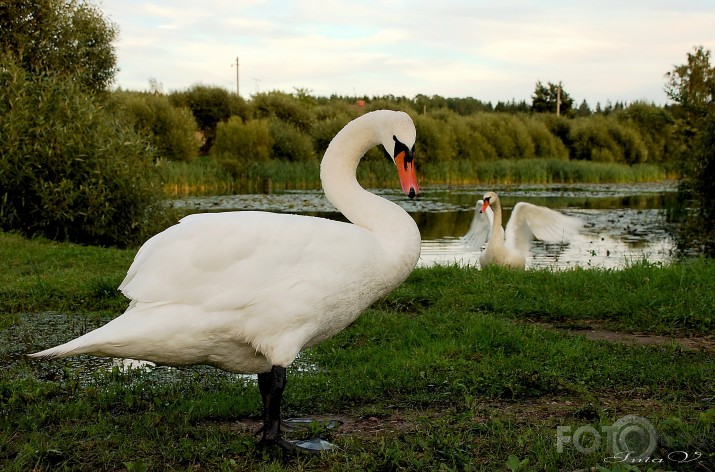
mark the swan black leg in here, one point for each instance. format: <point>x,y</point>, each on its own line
<point>272,384</point>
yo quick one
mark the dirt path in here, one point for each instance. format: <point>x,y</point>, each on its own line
<point>595,331</point>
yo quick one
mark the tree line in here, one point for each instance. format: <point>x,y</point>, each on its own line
<point>298,127</point>
<point>78,159</point>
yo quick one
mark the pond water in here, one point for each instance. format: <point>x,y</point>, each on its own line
<point>624,223</point>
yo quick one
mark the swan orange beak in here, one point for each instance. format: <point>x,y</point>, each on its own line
<point>484,206</point>
<point>406,171</point>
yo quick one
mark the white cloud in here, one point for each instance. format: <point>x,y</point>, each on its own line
<point>608,50</point>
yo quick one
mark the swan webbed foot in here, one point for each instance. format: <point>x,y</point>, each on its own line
<point>314,426</point>
<point>314,445</point>
<point>305,425</point>
<point>271,385</point>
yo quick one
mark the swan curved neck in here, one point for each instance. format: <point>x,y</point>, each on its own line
<point>396,230</point>
<point>339,165</point>
<point>338,169</point>
<point>496,207</point>
<point>497,237</point>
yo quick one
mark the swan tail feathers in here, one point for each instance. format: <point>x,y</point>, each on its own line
<point>82,345</point>
<point>62,350</point>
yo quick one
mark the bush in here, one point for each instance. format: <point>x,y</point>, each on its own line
<point>70,170</point>
<point>69,38</point>
<point>238,143</point>
<point>289,144</point>
<point>559,126</point>
<point>435,141</point>
<point>546,145</point>
<point>471,144</point>
<point>284,107</point>
<point>655,126</point>
<point>171,130</point>
<point>210,106</point>
<point>591,140</point>
<point>507,142</point>
<point>325,130</point>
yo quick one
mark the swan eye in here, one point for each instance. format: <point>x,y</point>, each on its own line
<point>402,148</point>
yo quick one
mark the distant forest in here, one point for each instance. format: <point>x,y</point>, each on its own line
<point>298,126</point>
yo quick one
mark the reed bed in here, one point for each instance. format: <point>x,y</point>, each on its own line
<point>205,177</point>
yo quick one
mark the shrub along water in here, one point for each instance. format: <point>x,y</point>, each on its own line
<point>172,130</point>
<point>69,169</point>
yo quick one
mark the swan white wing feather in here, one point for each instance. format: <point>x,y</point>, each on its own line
<point>530,221</point>
<point>203,259</point>
<point>255,287</point>
<point>481,227</point>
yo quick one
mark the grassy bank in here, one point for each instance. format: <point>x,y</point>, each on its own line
<point>205,176</point>
<point>449,372</point>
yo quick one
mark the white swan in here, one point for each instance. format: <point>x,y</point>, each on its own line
<point>527,222</point>
<point>246,291</point>
<point>481,227</point>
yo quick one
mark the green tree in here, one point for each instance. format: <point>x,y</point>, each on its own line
<point>171,130</point>
<point>239,144</point>
<point>70,169</point>
<point>210,106</point>
<point>702,185</point>
<point>583,109</point>
<point>546,99</point>
<point>67,38</point>
<point>692,87</point>
<point>284,107</point>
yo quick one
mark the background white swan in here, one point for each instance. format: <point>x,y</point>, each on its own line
<point>246,291</point>
<point>481,227</point>
<point>527,221</point>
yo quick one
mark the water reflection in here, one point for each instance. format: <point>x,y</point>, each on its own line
<point>610,239</point>
<point>624,222</point>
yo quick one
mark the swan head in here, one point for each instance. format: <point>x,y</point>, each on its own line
<point>489,199</point>
<point>398,139</point>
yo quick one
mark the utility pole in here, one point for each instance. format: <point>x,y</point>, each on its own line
<point>237,92</point>
<point>558,100</point>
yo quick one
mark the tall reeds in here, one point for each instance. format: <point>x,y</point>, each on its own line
<point>540,171</point>
<point>205,176</point>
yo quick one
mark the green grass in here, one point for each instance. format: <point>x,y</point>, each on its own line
<point>44,275</point>
<point>644,297</point>
<point>448,372</point>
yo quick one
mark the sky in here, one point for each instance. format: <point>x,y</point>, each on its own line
<point>600,51</point>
